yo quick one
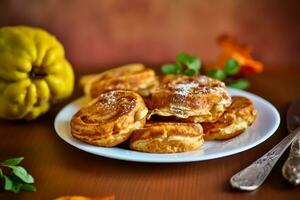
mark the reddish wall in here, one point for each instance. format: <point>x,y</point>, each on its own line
<point>98,33</point>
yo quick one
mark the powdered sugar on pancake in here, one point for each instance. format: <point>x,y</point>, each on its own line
<point>109,99</point>
<point>185,88</point>
<point>200,85</point>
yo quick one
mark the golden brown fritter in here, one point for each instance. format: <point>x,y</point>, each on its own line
<point>235,120</point>
<point>167,137</point>
<point>135,77</point>
<point>85,198</point>
<point>109,119</point>
<point>190,99</point>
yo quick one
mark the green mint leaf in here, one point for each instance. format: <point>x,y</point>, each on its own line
<point>21,173</point>
<point>12,184</point>
<point>231,67</point>
<point>241,84</point>
<point>217,74</point>
<point>171,69</point>
<point>16,187</point>
<point>13,161</point>
<point>8,184</point>
<point>1,175</point>
<point>191,62</point>
<point>190,72</point>
<point>183,57</point>
<point>28,187</point>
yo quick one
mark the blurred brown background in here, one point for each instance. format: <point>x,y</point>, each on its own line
<point>107,33</point>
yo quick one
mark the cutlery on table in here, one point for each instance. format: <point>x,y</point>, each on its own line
<point>291,167</point>
<point>255,174</point>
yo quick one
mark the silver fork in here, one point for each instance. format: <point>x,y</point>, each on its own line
<point>255,174</point>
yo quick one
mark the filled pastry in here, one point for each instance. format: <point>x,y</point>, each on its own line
<point>190,99</point>
<point>235,120</point>
<point>109,119</point>
<point>167,137</point>
<point>134,77</point>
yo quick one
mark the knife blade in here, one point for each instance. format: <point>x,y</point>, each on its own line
<point>293,116</point>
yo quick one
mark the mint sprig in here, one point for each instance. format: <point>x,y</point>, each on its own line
<point>217,74</point>
<point>17,178</point>
<point>190,65</point>
<point>171,69</point>
<point>231,67</point>
<point>241,84</point>
<point>12,161</point>
<point>185,64</point>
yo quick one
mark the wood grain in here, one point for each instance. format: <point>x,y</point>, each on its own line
<point>60,169</point>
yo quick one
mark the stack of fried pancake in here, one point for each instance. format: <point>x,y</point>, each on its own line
<point>169,114</point>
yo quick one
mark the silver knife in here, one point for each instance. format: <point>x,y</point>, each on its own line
<point>255,174</point>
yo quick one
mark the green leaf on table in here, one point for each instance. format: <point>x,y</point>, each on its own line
<point>11,184</point>
<point>13,161</point>
<point>28,187</point>
<point>191,62</point>
<point>217,74</point>
<point>16,187</point>
<point>21,173</point>
<point>18,178</point>
<point>241,84</point>
<point>171,69</point>
<point>231,67</point>
<point>19,184</point>
<point>8,184</point>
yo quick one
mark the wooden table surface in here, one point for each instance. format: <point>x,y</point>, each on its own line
<point>60,169</point>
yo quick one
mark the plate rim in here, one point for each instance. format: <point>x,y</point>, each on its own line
<point>182,159</point>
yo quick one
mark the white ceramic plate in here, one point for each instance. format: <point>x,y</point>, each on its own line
<point>265,125</point>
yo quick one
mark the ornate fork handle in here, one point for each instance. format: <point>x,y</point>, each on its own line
<point>255,174</point>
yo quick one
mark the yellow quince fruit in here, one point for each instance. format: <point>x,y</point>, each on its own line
<point>34,73</point>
